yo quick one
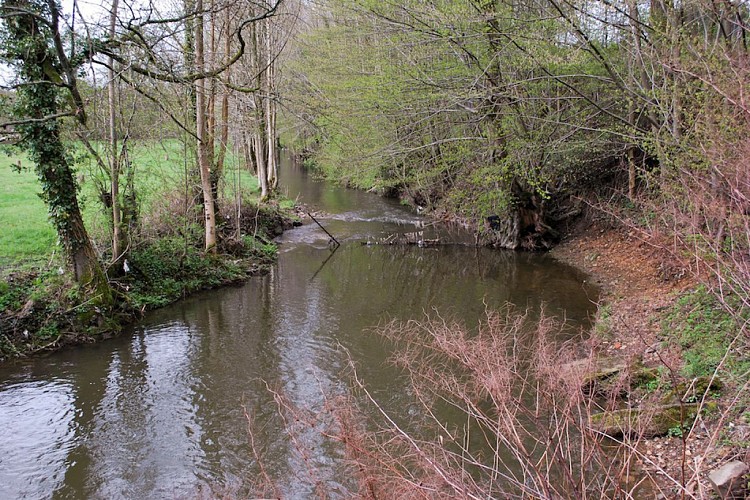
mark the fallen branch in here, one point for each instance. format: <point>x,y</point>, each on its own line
<point>333,239</point>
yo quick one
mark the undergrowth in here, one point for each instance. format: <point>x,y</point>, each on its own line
<point>704,329</point>
<point>168,270</point>
<point>43,309</point>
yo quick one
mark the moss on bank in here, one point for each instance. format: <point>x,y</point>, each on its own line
<point>42,309</point>
<point>708,334</point>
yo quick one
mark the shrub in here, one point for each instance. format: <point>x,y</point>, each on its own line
<point>498,412</point>
<point>169,269</point>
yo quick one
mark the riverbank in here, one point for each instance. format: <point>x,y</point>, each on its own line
<point>643,288</point>
<point>637,285</point>
<point>43,310</point>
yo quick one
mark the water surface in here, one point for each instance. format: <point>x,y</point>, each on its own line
<point>162,411</point>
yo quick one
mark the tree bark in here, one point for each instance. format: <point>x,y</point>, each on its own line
<point>224,120</point>
<point>118,243</point>
<point>270,113</point>
<point>259,147</point>
<point>259,141</point>
<point>204,155</point>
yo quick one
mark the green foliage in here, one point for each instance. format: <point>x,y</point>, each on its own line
<point>647,379</point>
<point>603,323</point>
<point>169,269</point>
<point>12,295</point>
<point>704,330</point>
<point>48,332</point>
<point>451,114</point>
<point>676,431</point>
<point>37,308</point>
<point>259,249</point>
<point>652,385</point>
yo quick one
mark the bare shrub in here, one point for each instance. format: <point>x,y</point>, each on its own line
<point>501,413</point>
<point>694,211</point>
<point>526,426</point>
<point>170,214</point>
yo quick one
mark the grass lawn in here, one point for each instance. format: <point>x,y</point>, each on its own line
<point>26,234</point>
<point>27,237</point>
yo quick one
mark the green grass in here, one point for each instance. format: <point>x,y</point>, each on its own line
<point>161,178</point>
<point>27,237</point>
<point>704,330</point>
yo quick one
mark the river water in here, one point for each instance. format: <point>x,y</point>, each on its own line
<point>162,410</point>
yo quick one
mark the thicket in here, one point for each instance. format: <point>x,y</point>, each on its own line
<point>477,108</point>
<point>535,112</point>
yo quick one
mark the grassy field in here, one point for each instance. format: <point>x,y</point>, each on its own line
<point>26,234</point>
<point>160,178</point>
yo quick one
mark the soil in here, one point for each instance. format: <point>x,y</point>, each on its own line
<point>639,284</point>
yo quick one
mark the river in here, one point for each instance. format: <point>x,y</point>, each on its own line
<point>162,410</point>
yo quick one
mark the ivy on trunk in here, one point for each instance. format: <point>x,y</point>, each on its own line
<point>46,85</point>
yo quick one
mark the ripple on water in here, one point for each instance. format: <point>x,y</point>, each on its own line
<point>39,432</point>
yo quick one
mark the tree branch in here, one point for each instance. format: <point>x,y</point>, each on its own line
<point>107,48</point>
<point>28,121</point>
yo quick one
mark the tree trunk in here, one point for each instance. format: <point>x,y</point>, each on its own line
<point>59,188</point>
<point>204,155</point>
<point>118,238</point>
<point>259,141</point>
<point>224,121</point>
<point>259,146</point>
<point>211,109</point>
<point>247,151</point>
<point>635,68</point>
<point>270,113</point>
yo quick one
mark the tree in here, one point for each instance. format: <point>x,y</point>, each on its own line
<point>146,47</point>
<point>261,135</point>
<point>119,230</point>
<point>203,136</point>
<point>47,91</point>
<point>475,107</point>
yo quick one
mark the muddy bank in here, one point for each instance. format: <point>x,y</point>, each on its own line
<point>640,286</point>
